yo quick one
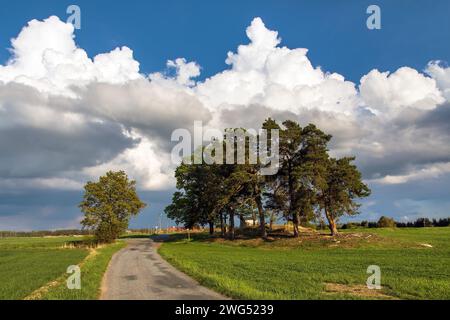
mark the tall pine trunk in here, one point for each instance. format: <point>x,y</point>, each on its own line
<point>223,229</point>
<point>295,222</point>
<point>262,218</point>
<point>242,221</point>
<point>272,218</point>
<point>211,228</point>
<point>231,229</point>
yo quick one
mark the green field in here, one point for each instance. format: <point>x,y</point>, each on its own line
<point>308,268</point>
<point>92,274</point>
<point>28,264</point>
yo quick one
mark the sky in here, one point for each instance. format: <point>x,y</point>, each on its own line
<point>76,103</point>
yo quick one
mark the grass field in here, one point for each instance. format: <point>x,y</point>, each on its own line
<point>92,272</point>
<point>320,267</point>
<point>28,264</point>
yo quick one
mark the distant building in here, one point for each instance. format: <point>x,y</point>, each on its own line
<point>251,223</point>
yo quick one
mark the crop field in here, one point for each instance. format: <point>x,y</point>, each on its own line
<point>28,265</point>
<point>414,263</point>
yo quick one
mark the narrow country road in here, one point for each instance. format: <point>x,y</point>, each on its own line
<point>139,273</point>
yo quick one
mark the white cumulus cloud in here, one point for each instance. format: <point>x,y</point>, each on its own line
<point>67,117</point>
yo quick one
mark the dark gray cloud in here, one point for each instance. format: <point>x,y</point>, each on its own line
<point>43,152</point>
<point>413,139</point>
<point>32,209</point>
<point>437,119</point>
<point>153,109</point>
<point>41,140</point>
<point>409,201</point>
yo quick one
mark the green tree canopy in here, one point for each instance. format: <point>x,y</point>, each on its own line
<point>308,184</point>
<point>342,185</point>
<point>386,222</point>
<point>109,204</point>
<point>303,157</point>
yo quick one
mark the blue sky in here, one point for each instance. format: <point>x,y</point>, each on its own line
<point>413,34</point>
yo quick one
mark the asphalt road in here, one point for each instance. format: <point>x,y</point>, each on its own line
<point>139,273</point>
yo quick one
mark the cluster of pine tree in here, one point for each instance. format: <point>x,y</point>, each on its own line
<point>309,184</point>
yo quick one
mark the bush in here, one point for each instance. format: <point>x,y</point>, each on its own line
<point>386,222</point>
<point>350,225</point>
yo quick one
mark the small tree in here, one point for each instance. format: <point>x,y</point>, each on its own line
<point>386,222</point>
<point>343,184</point>
<point>109,204</point>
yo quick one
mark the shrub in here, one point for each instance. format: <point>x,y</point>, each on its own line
<point>350,225</point>
<point>373,225</point>
<point>386,222</point>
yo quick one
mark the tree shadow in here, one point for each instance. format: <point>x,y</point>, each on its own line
<point>241,234</point>
<point>136,236</point>
<point>176,237</point>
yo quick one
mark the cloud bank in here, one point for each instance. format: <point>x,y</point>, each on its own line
<point>66,118</point>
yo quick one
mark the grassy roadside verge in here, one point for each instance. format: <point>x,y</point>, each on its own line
<point>92,271</point>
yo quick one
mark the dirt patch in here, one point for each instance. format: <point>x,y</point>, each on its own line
<point>307,239</point>
<point>357,290</point>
